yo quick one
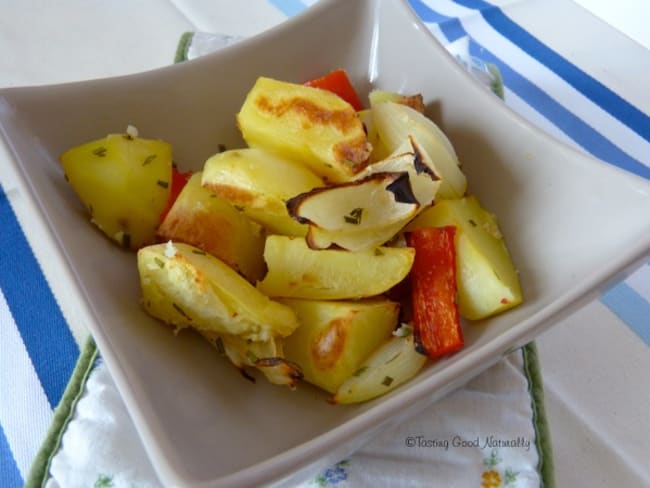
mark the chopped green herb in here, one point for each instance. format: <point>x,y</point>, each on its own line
<point>198,251</point>
<point>159,262</point>
<point>148,159</point>
<point>181,311</point>
<point>378,252</point>
<point>238,207</point>
<point>218,343</point>
<point>164,184</point>
<point>360,371</point>
<point>250,355</point>
<point>100,151</point>
<point>387,381</point>
<point>471,221</point>
<point>354,217</point>
<point>393,358</point>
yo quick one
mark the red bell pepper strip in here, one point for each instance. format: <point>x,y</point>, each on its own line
<point>338,82</point>
<point>178,182</point>
<point>436,322</point>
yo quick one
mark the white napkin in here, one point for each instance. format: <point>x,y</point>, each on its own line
<point>482,435</point>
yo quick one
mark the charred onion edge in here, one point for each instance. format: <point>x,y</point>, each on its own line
<point>402,190</point>
<point>418,161</point>
<point>399,184</point>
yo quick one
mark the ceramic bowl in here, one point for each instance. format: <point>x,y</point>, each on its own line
<point>572,224</point>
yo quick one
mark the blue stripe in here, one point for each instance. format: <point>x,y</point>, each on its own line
<point>574,127</point>
<point>631,308</point>
<point>288,7</point>
<point>591,88</point>
<point>49,342</point>
<point>9,474</point>
<point>450,26</point>
<point>427,14</point>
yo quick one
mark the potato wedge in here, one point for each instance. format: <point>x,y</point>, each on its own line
<point>184,286</point>
<point>396,122</point>
<point>295,270</point>
<point>259,182</point>
<point>124,182</point>
<point>335,337</point>
<point>305,124</point>
<point>209,222</point>
<point>390,365</point>
<point>488,282</point>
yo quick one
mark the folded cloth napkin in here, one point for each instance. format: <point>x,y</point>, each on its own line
<point>491,433</point>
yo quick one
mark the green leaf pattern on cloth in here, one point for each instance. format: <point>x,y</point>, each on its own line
<point>104,481</point>
<point>492,477</point>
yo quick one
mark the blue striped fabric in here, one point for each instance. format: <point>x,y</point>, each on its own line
<point>47,339</point>
<point>44,331</point>
<point>9,474</point>
<point>51,349</point>
<point>631,308</point>
<point>590,87</point>
<point>538,98</point>
<point>289,7</point>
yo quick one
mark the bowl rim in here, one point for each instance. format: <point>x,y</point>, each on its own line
<point>281,464</point>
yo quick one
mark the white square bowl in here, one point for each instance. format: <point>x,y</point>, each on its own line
<point>573,225</point>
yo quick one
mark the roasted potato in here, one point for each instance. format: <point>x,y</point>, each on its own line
<point>209,222</point>
<point>124,182</point>
<point>393,363</point>
<point>295,270</point>
<point>335,337</point>
<point>259,182</point>
<point>305,124</point>
<point>488,282</point>
<point>184,286</point>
